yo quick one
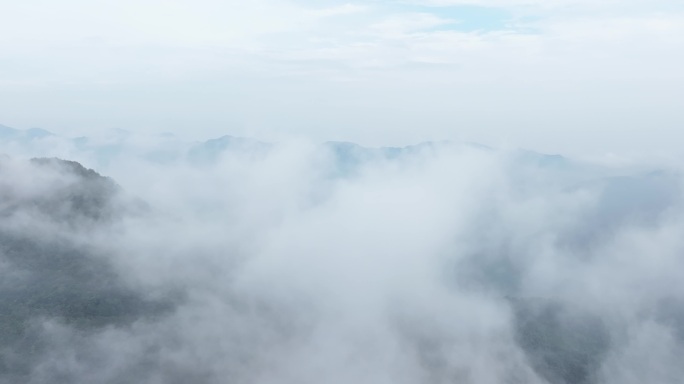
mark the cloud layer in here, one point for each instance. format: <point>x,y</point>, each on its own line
<point>301,263</point>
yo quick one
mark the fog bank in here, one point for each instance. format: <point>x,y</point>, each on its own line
<point>332,263</point>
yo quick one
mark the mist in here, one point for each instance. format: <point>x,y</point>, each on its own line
<point>237,261</point>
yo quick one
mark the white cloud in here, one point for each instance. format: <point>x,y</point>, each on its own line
<point>445,262</point>
<point>255,68</point>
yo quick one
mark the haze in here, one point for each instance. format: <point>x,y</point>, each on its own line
<point>571,76</point>
<point>298,192</point>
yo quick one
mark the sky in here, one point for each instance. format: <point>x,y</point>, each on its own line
<point>561,76</point>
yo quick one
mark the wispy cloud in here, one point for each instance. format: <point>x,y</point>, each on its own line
<point>152,66</point>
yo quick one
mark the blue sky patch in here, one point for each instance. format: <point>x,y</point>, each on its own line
<point>468,18</point>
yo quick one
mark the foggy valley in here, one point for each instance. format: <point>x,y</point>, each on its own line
<point>247,262</point>
<point>341,192</point>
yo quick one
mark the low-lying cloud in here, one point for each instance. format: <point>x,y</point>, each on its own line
<point>333,263</point>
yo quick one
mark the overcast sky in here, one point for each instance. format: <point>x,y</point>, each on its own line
<point>569,76</point>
